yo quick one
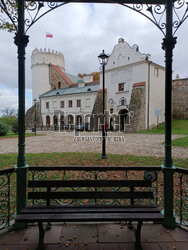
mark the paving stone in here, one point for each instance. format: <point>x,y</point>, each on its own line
<point>145,246</point>
<point>51,236</point>
<point>72,234</point>
<point>155,233</point>
<point>12,237</point>
<point>134,144</point>
<point>115,233</point>
<point>179,234</point>
<point>173,245</point>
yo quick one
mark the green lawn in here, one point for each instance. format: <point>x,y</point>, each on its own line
<point>13,135</point>
<point>86,159</point>
<point>181,142</point>
<point>179,127</point>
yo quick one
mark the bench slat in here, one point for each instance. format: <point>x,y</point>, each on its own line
<point>90,183</point>
<point>90,195</point>
<point>55,210</point>
<point>88,217</point>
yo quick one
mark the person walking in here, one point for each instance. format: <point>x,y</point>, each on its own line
<point>106,128</point>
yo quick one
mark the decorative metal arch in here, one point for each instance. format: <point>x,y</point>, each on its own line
<point>153,10</point>
<point>166,15</point>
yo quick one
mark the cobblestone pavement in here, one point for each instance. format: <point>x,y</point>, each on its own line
<point>117,143</point>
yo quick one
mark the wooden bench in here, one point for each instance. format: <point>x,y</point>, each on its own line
<point>87,190</point>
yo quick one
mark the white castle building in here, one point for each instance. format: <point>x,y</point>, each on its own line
<point>64,98</point>
<point>134,83</point>
<point>134,89</point>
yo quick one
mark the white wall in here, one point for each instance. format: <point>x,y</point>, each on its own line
<point>129,74</point>
<point>157,94</point>
<point>85,108</point>
<point>40,80</point>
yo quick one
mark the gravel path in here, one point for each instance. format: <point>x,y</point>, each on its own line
<point>117,143</point>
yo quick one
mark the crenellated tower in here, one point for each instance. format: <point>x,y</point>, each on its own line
<point>40,65</point>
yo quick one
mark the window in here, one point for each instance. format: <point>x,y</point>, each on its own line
<point>70,103</point>
<point>78,103</point>
<point>111,111</point>
<point>122,101</point>
<point>59,85</point>
<point>121,86</point>
<point>62,104</point>
<point>47,105</point>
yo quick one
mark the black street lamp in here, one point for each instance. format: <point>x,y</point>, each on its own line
<point>35,120</point>
<point>103,59</point>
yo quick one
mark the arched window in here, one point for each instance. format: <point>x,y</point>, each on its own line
<point>62,120</point>
<point>48,121</point>
<point>122,101</point>
<point>78,119</point>
<point>70,119</point>
<point>55,120</point>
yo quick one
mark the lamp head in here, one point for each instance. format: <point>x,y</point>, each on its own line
<point>103,58</point>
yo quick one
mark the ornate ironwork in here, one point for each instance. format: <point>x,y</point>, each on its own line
<point>183,199</point>
<point>156,13</point>
<point>5,198</point>
<point>34,10</point>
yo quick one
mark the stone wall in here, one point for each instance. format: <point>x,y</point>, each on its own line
<point>30,117</point>
<point>55,78</point>
<point>180,99</point>
<point>138,110</point>
<point>97,111</point>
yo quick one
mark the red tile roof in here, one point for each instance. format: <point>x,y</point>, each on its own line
<point>139,84</point>
<point>62,74</point>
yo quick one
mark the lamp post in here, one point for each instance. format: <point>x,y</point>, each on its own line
<point>35,120</point>
<point>103,59</point>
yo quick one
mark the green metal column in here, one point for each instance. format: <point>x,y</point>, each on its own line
<point>168,45</point>
<point>21,41</point>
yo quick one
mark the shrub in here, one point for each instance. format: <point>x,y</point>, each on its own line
<point>4,128</point>
<point>15,126</point>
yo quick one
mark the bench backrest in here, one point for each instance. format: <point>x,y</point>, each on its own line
<point>90,189</point>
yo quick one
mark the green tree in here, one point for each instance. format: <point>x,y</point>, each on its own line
<point>4,128</point>
<point>8,15</point>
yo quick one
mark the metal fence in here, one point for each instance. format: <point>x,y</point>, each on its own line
<point>8,187</point>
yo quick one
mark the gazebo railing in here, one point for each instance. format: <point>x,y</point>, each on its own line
<point>181,196</point>
<point>155,174</point>
<point>7,197</point>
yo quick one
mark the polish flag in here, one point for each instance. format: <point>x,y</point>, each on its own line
<point>49,35</point>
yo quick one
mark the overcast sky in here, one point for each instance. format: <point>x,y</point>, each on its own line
<point>80,32</point>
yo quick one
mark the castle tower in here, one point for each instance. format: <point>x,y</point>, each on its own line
<point>40,65</point>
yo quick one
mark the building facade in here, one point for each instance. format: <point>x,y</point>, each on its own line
<point>135,88</point>
<point>68,106</point>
